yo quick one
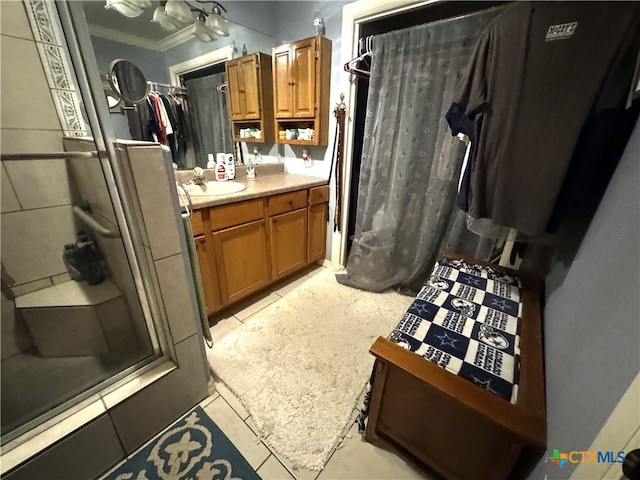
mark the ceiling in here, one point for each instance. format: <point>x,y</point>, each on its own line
<point>140,26</point>
<point>255,15</point>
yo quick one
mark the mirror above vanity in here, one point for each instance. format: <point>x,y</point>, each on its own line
<point>229,102</point>
<point>153,54</point>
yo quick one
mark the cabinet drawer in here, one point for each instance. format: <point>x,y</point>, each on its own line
<point>197,224</point>
<point>287,202</point>
<point>319,195</point>
<point>226,216</point>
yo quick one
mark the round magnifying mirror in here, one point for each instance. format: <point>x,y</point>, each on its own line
<point>128,82</point>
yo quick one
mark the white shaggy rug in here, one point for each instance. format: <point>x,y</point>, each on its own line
<point>299,365</point>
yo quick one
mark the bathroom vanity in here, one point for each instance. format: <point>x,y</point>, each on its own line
<point>248,240</point>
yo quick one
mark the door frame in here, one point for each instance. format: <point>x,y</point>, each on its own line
<point>208,59</point>
<point>353,15</point>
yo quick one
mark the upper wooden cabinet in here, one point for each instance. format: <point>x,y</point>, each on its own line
<point>301,78</point>
<point>250,97</point>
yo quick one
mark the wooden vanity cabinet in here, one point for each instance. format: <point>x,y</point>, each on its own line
<point>208,273</point>
<point>301,80</point>
<point>250,98</point>
<point>244,247</point>
<point>317,223</point>
<point>288,233</point>
<point>243,267</point>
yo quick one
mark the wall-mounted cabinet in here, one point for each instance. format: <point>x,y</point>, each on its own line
<point>301,80</point>
<point>250,98</point>
<point>246,246</point>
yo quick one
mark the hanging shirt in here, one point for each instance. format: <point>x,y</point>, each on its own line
<point>536,74</point>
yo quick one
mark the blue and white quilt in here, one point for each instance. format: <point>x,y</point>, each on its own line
<point>466,320</point>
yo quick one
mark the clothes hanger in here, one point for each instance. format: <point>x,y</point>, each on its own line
<point>365,49</point>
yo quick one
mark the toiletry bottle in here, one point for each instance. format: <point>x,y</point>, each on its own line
<point>251,171</point>
<point>221,170</point>
<point>211,163</point>
<point>230,165</point>
<point>71,257</point>
<point>91,264</point>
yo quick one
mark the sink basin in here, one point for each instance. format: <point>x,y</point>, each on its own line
<point>214,188</point>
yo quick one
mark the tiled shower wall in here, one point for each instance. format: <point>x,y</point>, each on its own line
<point>36,196</point>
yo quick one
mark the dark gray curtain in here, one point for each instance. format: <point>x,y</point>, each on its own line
<point>406,210</point>
<point>210,127</point>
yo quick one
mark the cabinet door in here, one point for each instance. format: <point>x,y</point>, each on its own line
<point>234,83</point>
<point>250,87</point>
<point>317,232</point>
<point>282,99</point>
<point>288,242</point>
<point>208,274</point>
<point>304,78</point>
<point>242,252</point>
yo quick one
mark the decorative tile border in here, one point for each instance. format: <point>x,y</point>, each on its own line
<point>57,68</point>
<point>45,23</point>
<point>52,47</point>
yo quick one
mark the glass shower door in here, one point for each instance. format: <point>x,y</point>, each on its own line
<point>76,315</point>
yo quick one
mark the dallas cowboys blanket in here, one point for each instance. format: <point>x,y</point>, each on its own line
<point>466,320</point>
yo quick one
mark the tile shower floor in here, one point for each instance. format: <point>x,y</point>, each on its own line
<point>353,459</point>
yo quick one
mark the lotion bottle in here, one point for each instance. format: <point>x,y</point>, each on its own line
<point>231,166</point>
<point>211,163</point>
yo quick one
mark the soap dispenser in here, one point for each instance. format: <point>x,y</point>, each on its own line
<point>210,161</point>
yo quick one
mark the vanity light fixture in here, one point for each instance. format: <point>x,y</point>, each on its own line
<point>216,23</point>
<point>201,32</point>
<point>165,21</point>
<point>172,15</point>
<point>178,10</point>
<point>128,8</point>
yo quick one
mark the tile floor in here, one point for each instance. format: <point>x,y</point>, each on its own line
<point>353,459</point>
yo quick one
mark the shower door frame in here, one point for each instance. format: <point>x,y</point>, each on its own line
<point>93,402</point>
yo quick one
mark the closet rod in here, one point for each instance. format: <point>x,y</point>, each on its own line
<point>166,85</point>
<point>48,155</point>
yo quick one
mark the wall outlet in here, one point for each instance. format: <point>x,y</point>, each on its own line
<point>256,155</point>
<point>306,159</point>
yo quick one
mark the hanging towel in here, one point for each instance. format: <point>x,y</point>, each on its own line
<point>197,279</point>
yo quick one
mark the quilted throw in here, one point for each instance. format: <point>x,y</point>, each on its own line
<point>466,320</point>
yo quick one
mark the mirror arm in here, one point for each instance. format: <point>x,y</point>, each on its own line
<point>123,110</point>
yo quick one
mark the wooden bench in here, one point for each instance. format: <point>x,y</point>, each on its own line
<point>455,427</point>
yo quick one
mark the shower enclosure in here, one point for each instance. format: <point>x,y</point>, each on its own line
<point>72,330</point>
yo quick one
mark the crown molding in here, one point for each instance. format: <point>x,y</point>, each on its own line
<point>176,38</point>
<point>171,41</point>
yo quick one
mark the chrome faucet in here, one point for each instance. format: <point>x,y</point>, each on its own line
<point>198,176</point>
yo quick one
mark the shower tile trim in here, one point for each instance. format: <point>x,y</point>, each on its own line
<point>131,387</point>
<point>56,62</point>
<point>36,440</point>
<point>49,436</point>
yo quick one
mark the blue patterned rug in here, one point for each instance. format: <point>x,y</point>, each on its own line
<point>194,448</point>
